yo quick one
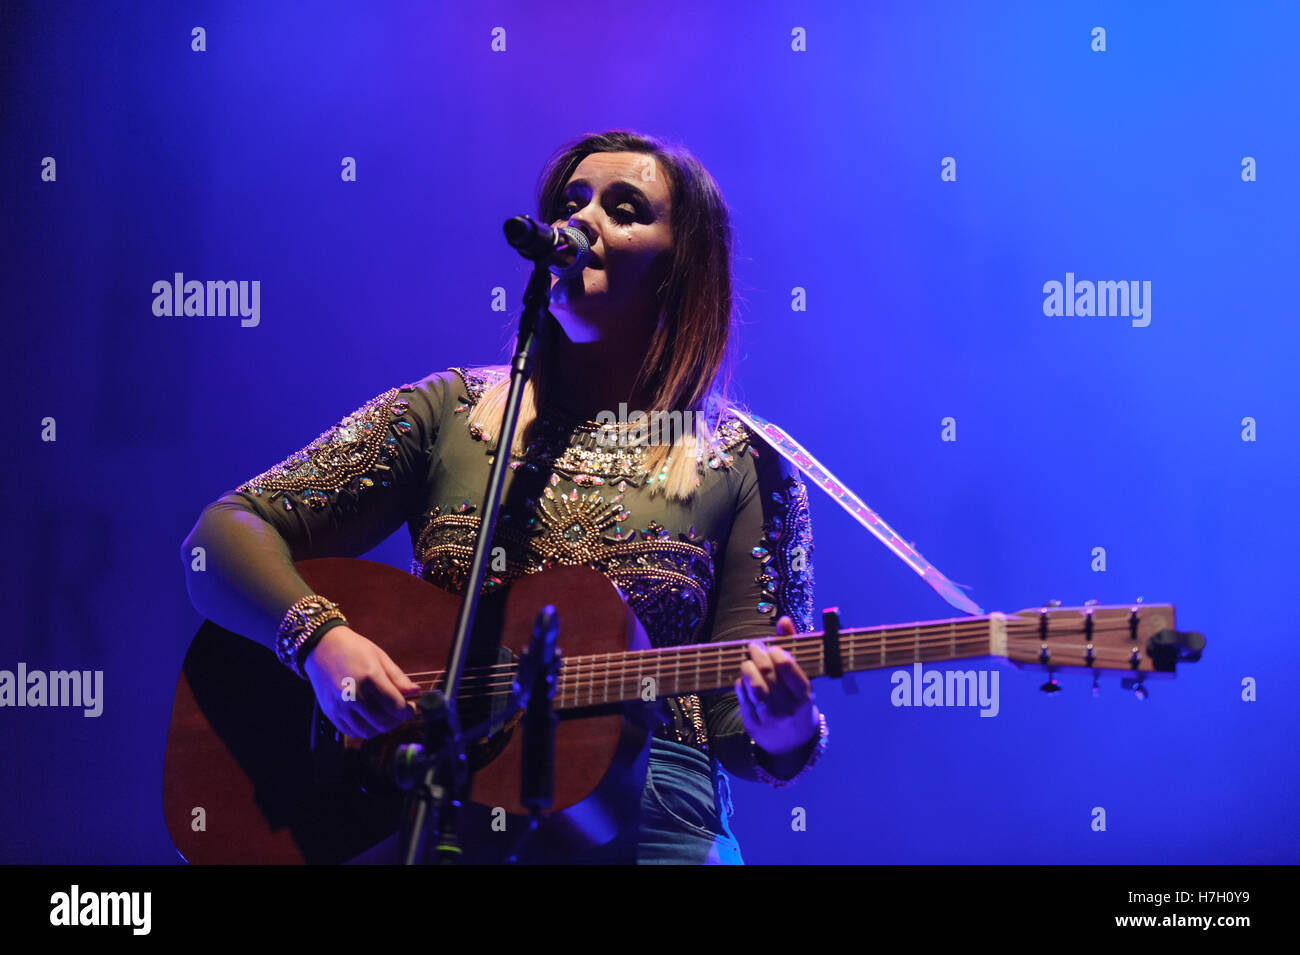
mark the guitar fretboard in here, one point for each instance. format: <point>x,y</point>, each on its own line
<point>674,671</point>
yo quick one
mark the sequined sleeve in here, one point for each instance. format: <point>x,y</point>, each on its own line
<point>766,573</point>
<point>340,496</point>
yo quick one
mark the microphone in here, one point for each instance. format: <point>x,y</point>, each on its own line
<point>565,250</point>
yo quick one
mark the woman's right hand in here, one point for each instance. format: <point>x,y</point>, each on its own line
<point>374,702</point>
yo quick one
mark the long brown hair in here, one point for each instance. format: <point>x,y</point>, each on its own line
<point>687,365</point>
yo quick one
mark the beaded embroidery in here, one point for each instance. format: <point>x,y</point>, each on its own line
<point>478,380</point>
<point>692,707</point>
<point>785,557</point>
<point>823,738</point>
<point>349,458</point>
<point>576,450</point>
<point>666,581</point>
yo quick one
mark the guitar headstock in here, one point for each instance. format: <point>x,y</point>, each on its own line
<point>1137,638</point>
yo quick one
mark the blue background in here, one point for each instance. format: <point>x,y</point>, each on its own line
<point>924,301</point>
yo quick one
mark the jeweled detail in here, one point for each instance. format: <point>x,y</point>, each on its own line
<point>341,463</point>
<point>823,737</point>
<point>580,450</point>
<point>692,710</point>
<point>478,380</point>
<point>785,577</point>
<point>569,529</point>
<point>730,435</point>
<point>667,582</point>
<point>575,452</point>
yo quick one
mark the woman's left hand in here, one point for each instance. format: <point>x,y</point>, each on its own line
<point>776,697</point>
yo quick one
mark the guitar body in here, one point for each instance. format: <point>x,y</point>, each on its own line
<point>253,773</point>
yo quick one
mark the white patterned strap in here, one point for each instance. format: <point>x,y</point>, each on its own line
<point>792,451</point>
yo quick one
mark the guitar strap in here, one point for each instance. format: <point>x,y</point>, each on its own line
<point>792,451</point>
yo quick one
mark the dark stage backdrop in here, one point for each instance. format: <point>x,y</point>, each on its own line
<point>906,179</point>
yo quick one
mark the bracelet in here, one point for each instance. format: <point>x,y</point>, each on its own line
<point>301,621</point>
<point>308,645</point>
<point>823,735</point>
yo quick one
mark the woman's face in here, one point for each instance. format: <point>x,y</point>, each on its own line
<point>622,202</point>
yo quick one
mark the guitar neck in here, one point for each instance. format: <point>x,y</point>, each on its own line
<point>675,671</point>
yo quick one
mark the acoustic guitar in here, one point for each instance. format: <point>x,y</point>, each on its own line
<point>254,773</point>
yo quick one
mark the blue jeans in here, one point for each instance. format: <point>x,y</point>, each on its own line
<point>684,810</point>
<point>683,819</point>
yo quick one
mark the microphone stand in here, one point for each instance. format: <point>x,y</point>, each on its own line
<point>534,688</point>
<point>434,805</point>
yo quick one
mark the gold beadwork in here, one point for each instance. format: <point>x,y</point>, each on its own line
<point>692,704</point>
<point>575,448</point>
<point>570,514</point>
<point>823,737</point>
<point>570,529</point>
<point>667,582</point>
<point>300,621</point>
<point>350,457</point>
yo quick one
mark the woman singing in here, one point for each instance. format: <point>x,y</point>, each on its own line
<point>707,534</point>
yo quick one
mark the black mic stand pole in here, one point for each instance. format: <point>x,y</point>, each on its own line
<point>432,813</point>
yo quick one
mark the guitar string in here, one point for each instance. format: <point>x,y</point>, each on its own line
<point>706,658</point>
<point>631,659</point>
<point>618,680</point>
<point>628,691</point>
<point>859,642</point>
<point>851,643</point>
<point>570,696</point>
<point>634,663</point>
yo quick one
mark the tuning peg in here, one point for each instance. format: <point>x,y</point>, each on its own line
<point>1051,686</point>
<point>1051,603</point>
<point>1096,686</point>
<point>1138,688</point>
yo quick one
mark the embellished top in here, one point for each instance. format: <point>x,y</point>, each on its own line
<point>724,565</point>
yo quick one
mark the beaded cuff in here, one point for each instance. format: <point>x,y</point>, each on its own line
<point>823,735</point>
<point>308,645</point>
<point>302,620</point>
